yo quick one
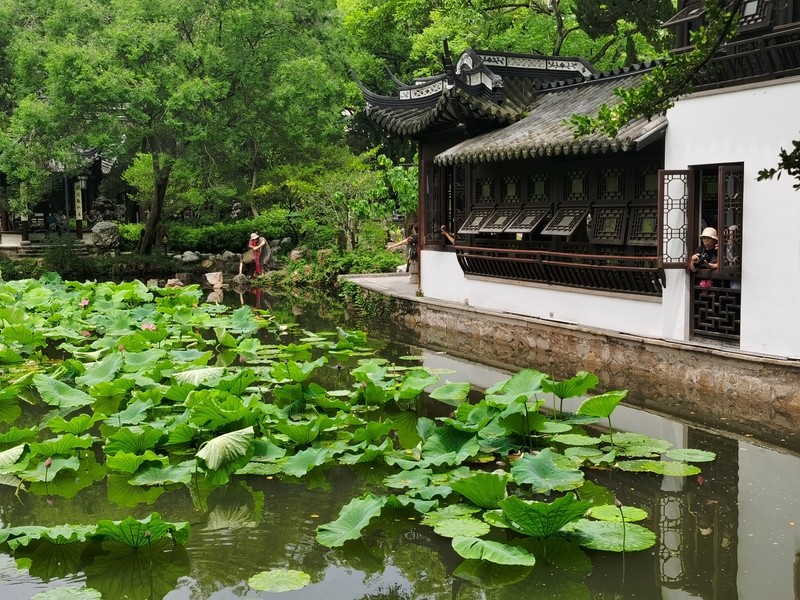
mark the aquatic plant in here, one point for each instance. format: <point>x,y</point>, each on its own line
<point>167,393</point>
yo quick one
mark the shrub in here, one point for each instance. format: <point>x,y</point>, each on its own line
<point>232,236</point>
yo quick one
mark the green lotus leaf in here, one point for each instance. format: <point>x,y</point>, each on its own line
<point>602,405</point>
<point>57,393</point>
<point>543,474</point>
<point>610,536</point>
<point>122,493</point>
<point>610,512</point>
<point>11,456</point>
<point>451,511</point>
<point>196,357</point>
<point>155,475</point>
<point>411,479</point>
<point>76,425</point>
<point>596,494</point>
<point>301,434</point>
<point>102,371</point>
<point>136,440</point>
<point>25,336</point>
<point>625,438</point>
<point>580,454</point>
<point>9,356</point>
<point>517,389</point>
<point>660,467</point>
<point>450,446</point>
<point>206,375</point>
<point>137,533</point>
<point>305,460</point>
<point>493,552</point>
<point>352,519</point>
<point>414,383</point>
<point>134,413</point>
<point>64,444</point>
<point>461,527</point>
<point>543,425</point>
<point>649,448</point>
<point>44,473</point>
<point>483,489</point>
<point>58,535</point>
<point>68,593</point>
<point>543,519</point>
<point>226,448</point>
<point>559,553</point>
<point>574,439</point>
<point>371,453</point>
<point>260,468</point>
<point>128,462</point>
<point>691,455</point>
<point>11,480</point>
<point>183,434</point>
<point>279,580</point>
<point>451,393</point>
<point>573,387</point>
<point>16,435</point>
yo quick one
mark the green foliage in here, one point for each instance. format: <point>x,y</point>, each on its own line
<point>233,236</point>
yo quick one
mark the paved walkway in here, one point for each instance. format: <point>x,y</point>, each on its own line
<point>397,285</point>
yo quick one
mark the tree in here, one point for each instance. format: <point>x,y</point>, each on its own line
<point>170,83</point>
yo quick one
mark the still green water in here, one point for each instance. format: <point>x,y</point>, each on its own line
<point>730,533</point>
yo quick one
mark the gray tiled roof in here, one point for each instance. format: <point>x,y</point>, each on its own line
<point>544,132</point>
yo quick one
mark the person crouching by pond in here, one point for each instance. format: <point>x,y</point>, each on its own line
<point>412,241</point>
<point>706,257</point>
<point>256,244</point>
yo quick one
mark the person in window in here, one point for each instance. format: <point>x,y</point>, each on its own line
<point>706,257</point>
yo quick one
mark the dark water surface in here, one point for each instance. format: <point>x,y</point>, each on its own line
<point>730,533</point>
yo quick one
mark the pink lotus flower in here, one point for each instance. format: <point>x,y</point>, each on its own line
<point>84,303</point>
<point>86,333</point>
<point>48,463</point>
<point>148,327</point>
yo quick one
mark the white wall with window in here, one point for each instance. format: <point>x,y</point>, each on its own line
<point>442,278</point>
<point>748,125</point>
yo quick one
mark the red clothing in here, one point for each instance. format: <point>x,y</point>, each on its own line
<point>256,254</point>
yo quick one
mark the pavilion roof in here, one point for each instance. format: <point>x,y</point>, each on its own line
<point>483,90</point>
<point>545,132</point>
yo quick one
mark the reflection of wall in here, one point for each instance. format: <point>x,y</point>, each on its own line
<point>769,527</point>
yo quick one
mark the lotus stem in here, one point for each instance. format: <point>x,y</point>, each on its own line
<point>47,464</point>
<point>624,531</point>
<point>610,431</point>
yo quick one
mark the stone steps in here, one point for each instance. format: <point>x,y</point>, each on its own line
<point>37,250</point>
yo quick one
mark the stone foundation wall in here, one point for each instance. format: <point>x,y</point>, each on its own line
<point>750,395</point>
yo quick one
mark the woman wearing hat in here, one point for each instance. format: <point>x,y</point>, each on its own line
<point>256,243</point>
<point>706,256</point>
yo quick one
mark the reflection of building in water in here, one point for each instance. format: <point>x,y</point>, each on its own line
<point>697,520</point>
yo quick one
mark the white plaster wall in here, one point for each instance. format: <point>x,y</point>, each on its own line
<point>750,125</point>
<point>442,278</point>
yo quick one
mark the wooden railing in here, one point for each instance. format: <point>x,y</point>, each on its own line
<point>627,274</point>
<point>776,54</point>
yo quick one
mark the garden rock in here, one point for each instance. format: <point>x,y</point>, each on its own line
<point>105,235</point>
<point>214,279</point>
<point>189,257</point>
<point>296,254</point>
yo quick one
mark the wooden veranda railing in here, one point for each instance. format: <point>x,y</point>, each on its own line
<point>628,274</point>
<point>776,54</point>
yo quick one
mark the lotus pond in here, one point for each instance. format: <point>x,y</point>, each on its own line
<point>156,446</point>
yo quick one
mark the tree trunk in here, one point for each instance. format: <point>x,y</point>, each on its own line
<point>149,234</point>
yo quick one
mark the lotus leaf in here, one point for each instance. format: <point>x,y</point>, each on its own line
<point>483,489</point>
<point>494,552</point>
<point>138,533</point>
<point>610,536</point>
<point>543,519</point>
<point>691,455</point>
<point>461,527</point>
<point>610,512</point>
<point>543,474</point>
<point>352,519</point>
<point>279,580</point>
<point>602,405</point>
<point>57,393</point>
<point>306,460</point>
<point>226,448</point>
<point>661,467</point>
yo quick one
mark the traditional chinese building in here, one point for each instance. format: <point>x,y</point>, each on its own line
<point>597,231</point>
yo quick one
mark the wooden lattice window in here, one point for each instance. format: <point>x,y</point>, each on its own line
<point>611,186</point>
<point>475,220</point>
<point>755,14</point>
<point>509,190</point>
<point>499,220</point>
<point>575,189</point>
<point>675,189</point>
<point>484,190</point>
<point>608,225</point>
<point>646,185</point>
<point>538,188</point>
<point>527,220</point>
<point>566,221</point>
<point>643,226</point>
